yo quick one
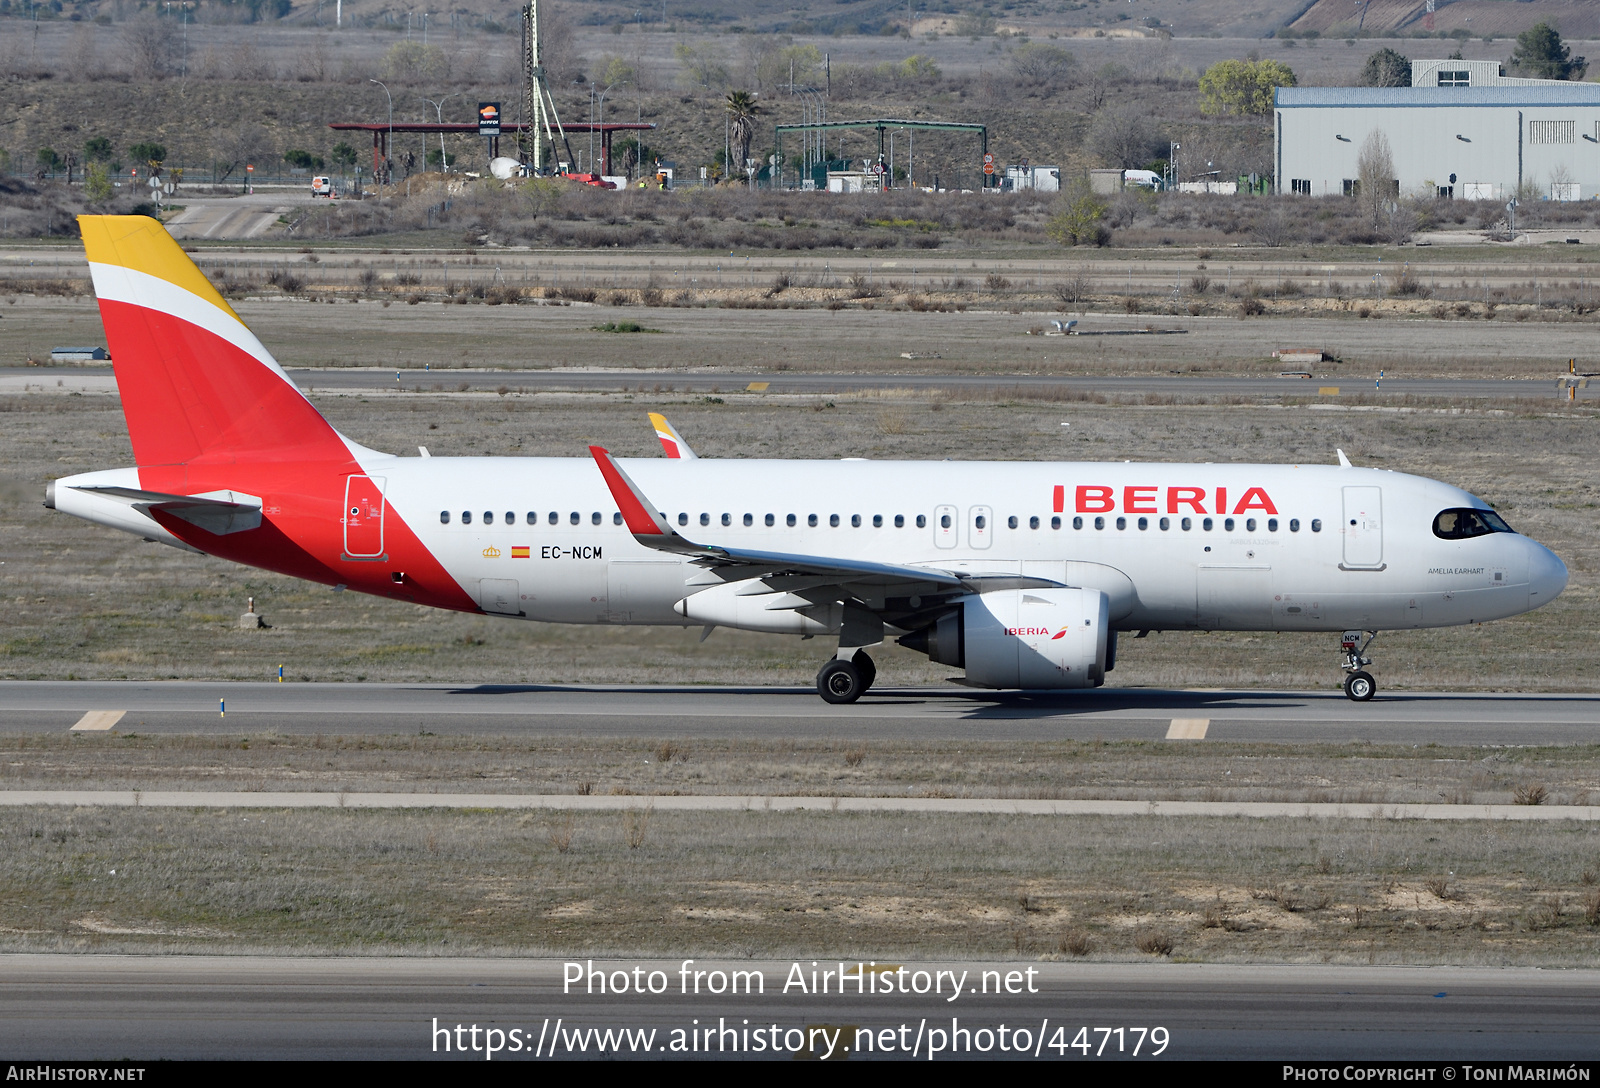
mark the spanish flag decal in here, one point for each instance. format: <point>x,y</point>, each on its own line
<point>519,553</point>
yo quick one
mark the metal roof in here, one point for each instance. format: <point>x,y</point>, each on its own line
<point>1566,94</point>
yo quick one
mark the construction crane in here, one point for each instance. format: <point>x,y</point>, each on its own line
<point>538,105</point>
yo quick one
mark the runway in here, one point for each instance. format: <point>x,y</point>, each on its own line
<point>703,381</point>
<point>149,1008</point>
<point>750,712</point>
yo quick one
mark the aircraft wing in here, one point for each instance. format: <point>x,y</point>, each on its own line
<point>651,529</point>
<point>671,440</point>
<point>217,512</point>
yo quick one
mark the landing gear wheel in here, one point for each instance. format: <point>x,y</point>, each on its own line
<point>869,669</point>
<point>1358,686</point>
<point>840,682</point>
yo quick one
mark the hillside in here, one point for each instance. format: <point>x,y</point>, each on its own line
<point>1499,18</point>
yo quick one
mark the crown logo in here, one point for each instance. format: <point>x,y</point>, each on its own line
<point>491,552</point>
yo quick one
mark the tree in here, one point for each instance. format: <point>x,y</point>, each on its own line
<point>49,161</point>
<point>1386,68</point>
<point>1540,53</point>
<point>1375,169</point>
<point>148,151</point>
<point>97,149</point>
<point>1125,138</point>
<point>742,110</point>
<point>614,71</point>
<point>704,64</point>
<point>343,156</point>
<point>1078,216</point>
<point>1243,87</point>
<point>302,160</point>
<point>1041,64</point>
<point>97,183</point>
<point>413,62</point>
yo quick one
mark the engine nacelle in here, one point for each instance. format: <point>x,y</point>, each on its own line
<point>1023,638</point>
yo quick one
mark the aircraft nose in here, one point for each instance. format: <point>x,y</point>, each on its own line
<point>1547,575</point>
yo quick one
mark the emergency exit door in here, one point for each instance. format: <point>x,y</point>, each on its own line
<point>363,517</point>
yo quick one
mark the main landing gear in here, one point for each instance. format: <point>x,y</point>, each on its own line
<point>844,681</point>
<point>1359,686</point>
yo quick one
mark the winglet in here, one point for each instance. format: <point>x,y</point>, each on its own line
<point>671,440</point>
<point>1344,462</point>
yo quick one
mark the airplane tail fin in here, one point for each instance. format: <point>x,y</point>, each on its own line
<point>195,382</point>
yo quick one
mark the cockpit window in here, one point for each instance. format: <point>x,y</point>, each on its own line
<point>1464,523</point>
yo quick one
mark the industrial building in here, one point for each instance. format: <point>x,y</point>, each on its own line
<point>1462,130</point>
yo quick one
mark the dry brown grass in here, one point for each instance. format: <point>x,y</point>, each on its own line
<point>758,883</point>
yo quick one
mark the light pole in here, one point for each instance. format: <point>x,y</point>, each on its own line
<point>388,146</point>
<point>438,109</point>
<point>1172,164</point>
<point>601,111</point>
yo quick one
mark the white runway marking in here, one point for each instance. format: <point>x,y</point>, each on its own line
<point>1188,728</point>
<point>735,803</point>
<point>98,720</point>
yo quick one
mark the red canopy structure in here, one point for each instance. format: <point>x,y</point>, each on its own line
<point>381,129</point>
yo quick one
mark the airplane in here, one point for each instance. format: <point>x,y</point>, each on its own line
<point>1020,573</point>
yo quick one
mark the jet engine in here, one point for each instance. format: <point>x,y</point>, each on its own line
<point>1023,638</point>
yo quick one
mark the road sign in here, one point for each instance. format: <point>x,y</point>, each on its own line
<point>988,164</point>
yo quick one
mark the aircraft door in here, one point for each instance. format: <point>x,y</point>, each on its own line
<point>980,526</point>
<point>1363,528</point>
<point>945,529</point>
<point>363,517</point>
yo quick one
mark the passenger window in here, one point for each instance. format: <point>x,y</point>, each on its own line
<point>789,521</point>
<point>944,521</point>
<point>1272,525</point>
<point>1055,523</point>
<point>1166,523</point>
<point>877,521</point>
<point>922,521</point>
<point>575,518</point>
<point>1206,523</point>
<point>1186,524</point>
<point>1250,525</point>
<point>811,520</point>
<point>1144,523</point>
<point>555,518</point>
<point>1122,523</point>
<point>1033,523</point>
<point>1316,525</point>
<point>833,520</point>
<point>749,520</point>
<point>616,517</point>
<point>1011,522</point>
<point>727,519</point>
<point>899,521</point>
<point>771,521</point>
<point>980,521</point>
<point>511,517</point>
<point>1077,523</point>
<point>594,518</point>
<point>705,519</point>
<point>1294,525</point>
<point>1227,525</point>
<point>444,517</point>
<point>466,517</point>
<point>488,517</point>
<point>855,521</point>
<point>533,517</point>
<point>683,519</point>
<point>1099,523</point>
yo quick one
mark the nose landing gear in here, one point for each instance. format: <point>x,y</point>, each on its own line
<point>1359,686</point>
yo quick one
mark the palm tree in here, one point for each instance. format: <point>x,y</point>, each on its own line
<point>742,111</point>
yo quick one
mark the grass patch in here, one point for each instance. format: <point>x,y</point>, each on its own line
<point>622,326</point>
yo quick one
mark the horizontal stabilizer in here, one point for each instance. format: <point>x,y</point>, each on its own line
<point>217,512</point>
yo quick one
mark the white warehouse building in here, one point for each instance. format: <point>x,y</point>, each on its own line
<point>1466,133</point>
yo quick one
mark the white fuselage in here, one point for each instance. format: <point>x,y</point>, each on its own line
<point>1281,548</point>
